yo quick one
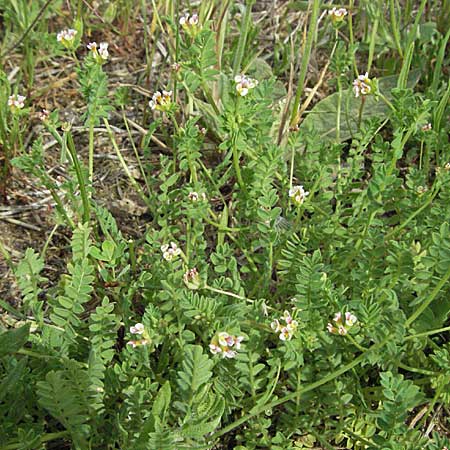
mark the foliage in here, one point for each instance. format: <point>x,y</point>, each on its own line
<point>288,285</point>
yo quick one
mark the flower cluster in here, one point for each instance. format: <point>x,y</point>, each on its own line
<point>44,115</point>
<point>100,52</point>
<point>298,195</point>
<point>337,15</point>
<point>16,102</point>
<point>362,85</point>
<point>244,84</point>
<point>170,252</point>
<point>223,343</point>
<point>161,101</point>
<point>190,24</point>
<point>139,330</point>
<point>426,127</point>
<point>286,331</point>
<point>342,324</point>
<point>67,37</point>
<point>192,279</point>
<point>195,196</point>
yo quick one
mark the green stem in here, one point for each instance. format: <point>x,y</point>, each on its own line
<point>236,164</point>
<point>80,177</point>
<point>228,293</point>
<point>243,37</point>
<point>125,167</point>
<point>46,438</point>
<point>427,333</point>
<point>305,61</point>
<point>91,152</point>
<point>428,301</point>
<point>293,395</point>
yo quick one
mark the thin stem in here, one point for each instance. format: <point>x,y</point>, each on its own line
<point>422,307</point>
<point>305,61</point>
<point>427,333</point>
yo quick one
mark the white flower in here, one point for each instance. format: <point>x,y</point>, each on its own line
<point>137,343</point>
<point>298,194</point>
<point>350,319</point>
<point>286,331</point>
<point>343,323</point>
<point>244,84</point>
<point>171,251</point>
<point>223,343</point>
<point>188,20</point>
<point>427,127</point>
<point>16,102</point>
<point>161,101</point>
<point>100,52</point>
<point>362,85</point>
<point>137,329</point>
<point>337,14</point>
<point>67,37</point>
<point>44,115</point>
<point>195,196</point>
<point>190,24</point>
<point>103,50</point>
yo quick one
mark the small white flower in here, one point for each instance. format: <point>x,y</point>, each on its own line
<point>16,101</point>
<point>190,24</point>
<point>427,127</point>
<point>137,343</point>
<point>103,50</point>
<point>67,37</point>
<point>337,14</point>
<point>298,194</point>
<point>350,319</point>
<point>214,349</point>
<point>171,251</point>
<point>244,84</point>
<point>137,329</point>
<point>229,354</point>
<point>161,101</point>
<point>100,52</point>
<point>44,115</point>
<point>362,85</point>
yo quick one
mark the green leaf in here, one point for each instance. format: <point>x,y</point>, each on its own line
<point>322,118</point>
<point>196,370</point>
<point>162,402</point>
<point>13,340</point>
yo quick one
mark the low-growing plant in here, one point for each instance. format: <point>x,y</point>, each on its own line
<point>290,289</point>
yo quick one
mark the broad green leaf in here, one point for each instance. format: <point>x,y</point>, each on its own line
<point>13,340</point>
<point>322,117</point>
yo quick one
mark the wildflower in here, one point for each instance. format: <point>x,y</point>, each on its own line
<point>137,329</point>
<point>337,15</point>
<point>137,343</point>
<point>342,323</point>
<point>100,53</point>
<point>244,84</point>
<point>298,194</point>
<point>161,102</point>
<point>427,127</point>
<point>16,102</point>
<point>171,251</point>
<point>286,331</point>
<point>175,67</point>
<point>190,24</point>
<point>44,115</point>
<point>192,279</point>
<point>447,166</point>
<point>67,38</point>
<point>195,196</point>
<point>223,343</point>
<point>362,85</point>
<point>421,190</point>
